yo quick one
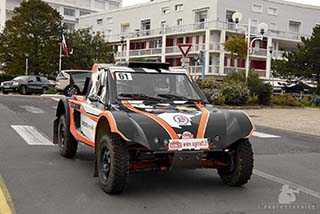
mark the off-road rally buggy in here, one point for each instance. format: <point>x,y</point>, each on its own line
<point>147,116</point>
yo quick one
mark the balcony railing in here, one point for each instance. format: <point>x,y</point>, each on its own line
<point>213,69</point>
<point>278,54</point>
<point>200,26</point>
<point>176,50</point>
<point>140,52</point>
<point>259,52</point>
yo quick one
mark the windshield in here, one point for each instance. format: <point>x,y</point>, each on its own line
<point>21,78</point>
<point>155,85</point>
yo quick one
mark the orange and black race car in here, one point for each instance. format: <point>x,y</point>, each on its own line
<point>147,116</point>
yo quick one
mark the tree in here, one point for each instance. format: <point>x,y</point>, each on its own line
<point>86,50</point>
<point>237,46</point>
<point>33,30</point>
<point>303,62</point>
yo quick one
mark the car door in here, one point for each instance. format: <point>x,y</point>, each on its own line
<point>94,105</point>
<point>32,84</point>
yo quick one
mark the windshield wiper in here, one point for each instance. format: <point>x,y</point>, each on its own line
<point>178,97</point>
<point>141,96</point>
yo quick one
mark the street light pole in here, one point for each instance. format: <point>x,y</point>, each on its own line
<point>248,49</point>
<point>27,63</point>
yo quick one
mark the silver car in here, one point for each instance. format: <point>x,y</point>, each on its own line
<point>71,86</point>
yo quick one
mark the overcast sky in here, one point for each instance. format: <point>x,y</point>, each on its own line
<point>314,2</point>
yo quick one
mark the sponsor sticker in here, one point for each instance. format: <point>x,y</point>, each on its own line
<point>181,119</point>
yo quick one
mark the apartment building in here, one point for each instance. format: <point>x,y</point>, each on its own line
<point>153,30</point>
<point>71,10</point>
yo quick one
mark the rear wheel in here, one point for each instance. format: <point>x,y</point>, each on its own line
<point>67,144</point>
<point>69,91</point>
<point>113,164</point>
<point>241,165</point>
<point>44,90</point>
<point>23,90</point>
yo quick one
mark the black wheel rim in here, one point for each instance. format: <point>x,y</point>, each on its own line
<point>105,164</point>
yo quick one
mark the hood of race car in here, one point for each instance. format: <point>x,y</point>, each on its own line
<point>154,125</point>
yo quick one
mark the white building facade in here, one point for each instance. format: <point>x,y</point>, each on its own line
<point>153,30</point>
<point>71,10</point>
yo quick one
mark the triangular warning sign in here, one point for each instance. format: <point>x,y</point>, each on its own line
<point>184,48</point>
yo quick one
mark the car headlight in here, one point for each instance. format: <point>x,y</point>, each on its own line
<point>1,84</point>
<point>15,84</point>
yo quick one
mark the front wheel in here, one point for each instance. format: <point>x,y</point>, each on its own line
<point>69,91</point>
<point>113,164</point>
<point>5,92</point>
<point>67,144</point>
<point>240,166</point>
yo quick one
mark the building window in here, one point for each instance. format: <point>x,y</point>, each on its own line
<point>125,28</point>
<point>257,8</point>
<point>83,12</point>
<point>272,11</point>
<point>146,26</point>
<point>69,12</point>
<point>163,24</point>
<point>254,22</point>
<point>229,14</point>
<point>70,26</point>
<point>294,26</point>
<point>99,21</point>
<point>99,4</point>
<point>109,20</point>
<point>178,7</point>
<point>165,10</point>
<point>179,21</point>
<point>113,5</point>
<point>273,26</point>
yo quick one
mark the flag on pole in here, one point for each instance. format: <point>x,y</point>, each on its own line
<point>64,45</point>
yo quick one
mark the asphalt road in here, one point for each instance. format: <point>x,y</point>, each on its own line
<point>40,181</point>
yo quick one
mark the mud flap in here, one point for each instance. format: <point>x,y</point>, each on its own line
<point>186,160</point>
<point>55,131</point>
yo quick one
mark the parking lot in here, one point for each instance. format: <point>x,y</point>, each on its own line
<point>39,180</point>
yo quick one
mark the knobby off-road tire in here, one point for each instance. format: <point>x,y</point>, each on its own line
<point>67,144</point>
<point>113,164</point>
<point>242,166</point>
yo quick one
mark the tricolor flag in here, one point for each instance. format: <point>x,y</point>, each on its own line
<point>64,45</point>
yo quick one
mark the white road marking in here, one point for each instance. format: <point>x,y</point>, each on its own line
<point>31,135</point>
<point>55,99</point>
<point>33,109</point>
<point>264,135</point>
<point>283,181</point>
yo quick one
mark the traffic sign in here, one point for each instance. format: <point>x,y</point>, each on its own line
<point>185,60</point>
<point>185,48</point>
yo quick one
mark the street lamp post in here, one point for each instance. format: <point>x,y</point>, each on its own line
<point>262,28</point>
<point>270,52</point>
<point>122,41</point>
<point>27,63</point>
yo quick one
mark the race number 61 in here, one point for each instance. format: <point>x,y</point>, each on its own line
<point>124,76</point>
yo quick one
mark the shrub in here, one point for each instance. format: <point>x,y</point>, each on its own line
<point>235,93</point>
<point>208,83</point>
<point>264,92</point>
<point>285,100</point>
<point>253,100</point>
<point>254,82</point>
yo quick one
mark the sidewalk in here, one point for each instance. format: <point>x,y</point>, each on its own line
<point>298,120</point>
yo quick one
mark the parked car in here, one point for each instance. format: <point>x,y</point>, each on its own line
<point>25,85</point>
<point>72,86</point>
<point>147,116</point>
